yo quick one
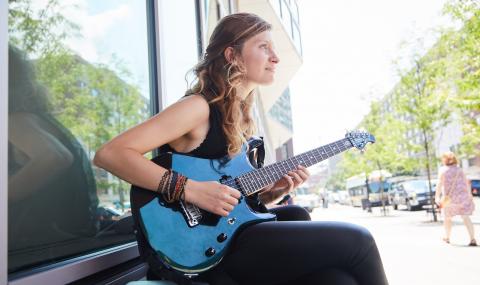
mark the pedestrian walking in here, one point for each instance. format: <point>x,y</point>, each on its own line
<point>454,197</point>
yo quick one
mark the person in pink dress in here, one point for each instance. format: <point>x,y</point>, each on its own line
<point>453,183</point>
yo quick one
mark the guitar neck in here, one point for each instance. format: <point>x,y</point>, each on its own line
<point>256,180</point>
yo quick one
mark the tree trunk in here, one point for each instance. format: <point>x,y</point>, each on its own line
<point>432,201</point>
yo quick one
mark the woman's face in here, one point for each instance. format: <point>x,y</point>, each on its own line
<point>259,59</point>
<point>444,161</point>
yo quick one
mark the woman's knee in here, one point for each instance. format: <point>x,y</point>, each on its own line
<point>291,213</point>
<point>362,236</point>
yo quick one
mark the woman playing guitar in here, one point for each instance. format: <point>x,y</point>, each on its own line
<point>213,121</point>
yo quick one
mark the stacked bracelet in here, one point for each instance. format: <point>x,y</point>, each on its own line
<point>172,186</point>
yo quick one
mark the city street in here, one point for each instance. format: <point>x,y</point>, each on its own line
<point>411,245</point>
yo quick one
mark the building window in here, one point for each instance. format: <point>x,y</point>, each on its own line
<point>78,75</point>
<point>281,111</point>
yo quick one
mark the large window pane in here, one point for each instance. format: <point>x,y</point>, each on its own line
<point>179,46</point>
<point>78,75</point>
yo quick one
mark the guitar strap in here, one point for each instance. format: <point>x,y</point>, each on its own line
<point>256,156</point>
<point>256,151</point>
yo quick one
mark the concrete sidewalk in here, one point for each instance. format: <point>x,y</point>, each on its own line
<point>411,245</point>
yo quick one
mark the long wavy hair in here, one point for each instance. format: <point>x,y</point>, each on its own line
<point>217,78</point>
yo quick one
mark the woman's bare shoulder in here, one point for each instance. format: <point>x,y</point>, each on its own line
<point>196,106</point>
<point>173,122</point>
<point>196,103</point>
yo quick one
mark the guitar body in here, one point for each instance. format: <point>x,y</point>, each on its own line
<point>187,248</point>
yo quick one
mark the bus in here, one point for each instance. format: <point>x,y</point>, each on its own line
<point>373,190</point>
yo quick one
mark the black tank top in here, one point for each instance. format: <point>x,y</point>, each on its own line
<point>214,145</point>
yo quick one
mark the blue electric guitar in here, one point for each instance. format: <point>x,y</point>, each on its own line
<point>191,240</point>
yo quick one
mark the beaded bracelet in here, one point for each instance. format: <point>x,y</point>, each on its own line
<point>172,186</point>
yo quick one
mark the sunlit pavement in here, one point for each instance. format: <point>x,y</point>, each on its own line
<point>411,245</point>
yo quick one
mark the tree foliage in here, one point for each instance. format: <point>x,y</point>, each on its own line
<point>443,80</point>
<point>464,52</point>
<point>93,100</point>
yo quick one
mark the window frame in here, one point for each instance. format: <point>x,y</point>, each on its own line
<point>77,268</point>
<point>3,142</point>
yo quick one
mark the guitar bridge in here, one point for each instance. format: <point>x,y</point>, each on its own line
<point>192,213</point>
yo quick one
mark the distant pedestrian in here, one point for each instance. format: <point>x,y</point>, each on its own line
<point>458,200</point>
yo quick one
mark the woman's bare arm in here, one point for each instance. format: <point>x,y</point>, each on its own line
<point>123,155</point>
<point>438,190</point>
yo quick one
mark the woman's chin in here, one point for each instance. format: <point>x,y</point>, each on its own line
<point>268,81</point>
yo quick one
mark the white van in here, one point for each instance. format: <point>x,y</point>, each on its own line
<point>306,199</point>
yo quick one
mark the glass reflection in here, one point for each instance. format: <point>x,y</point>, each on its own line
<point>73,84</point>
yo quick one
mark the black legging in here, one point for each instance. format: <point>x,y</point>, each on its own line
<point>294,251</point>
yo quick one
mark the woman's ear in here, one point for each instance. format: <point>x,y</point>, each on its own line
<point>229,54</point>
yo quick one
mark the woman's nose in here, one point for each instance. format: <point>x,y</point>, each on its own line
<point>274,58</point>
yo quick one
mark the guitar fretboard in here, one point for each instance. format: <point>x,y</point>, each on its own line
<point>256,180</point>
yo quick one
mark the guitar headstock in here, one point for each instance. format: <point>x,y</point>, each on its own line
<point>359,139</point>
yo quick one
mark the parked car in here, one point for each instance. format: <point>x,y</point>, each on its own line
<point>306,199</point>
<point>475,186</point>
<point>414,194</point>
<point>125,207</point>
<point>333,197</point>
<point>107,216</point>
<point>344,198</point>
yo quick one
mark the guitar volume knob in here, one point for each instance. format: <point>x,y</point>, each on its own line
<point>222,237</point>
<point>210,252</point>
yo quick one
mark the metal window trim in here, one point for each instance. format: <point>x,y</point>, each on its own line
<point>81,267</point>
<point>200,21</point>
<point>223,10</point>
<point>3,142</point>
<point>153,56</point>
<point>160,55</point>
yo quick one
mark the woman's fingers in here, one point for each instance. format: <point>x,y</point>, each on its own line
<point>289,178</point>
<point>222,212</point>
<point>297,179</point>
<point>227,207</point>
<point>229,195</point>
<point>303,172</point>
<point>234,193</point>
<point>299,175</point>
<point>227,199</point>
<point>231,200</point>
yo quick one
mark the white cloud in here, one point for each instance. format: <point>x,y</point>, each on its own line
<point>97,26</point>
<point>93,28</point>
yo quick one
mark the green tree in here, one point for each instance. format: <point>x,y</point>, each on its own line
<point>464,51</point>
<point>94,101</point>
<point>388,132</point>
<point>91,101</point>
<point>38,31</point>
<point>421,98</point>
